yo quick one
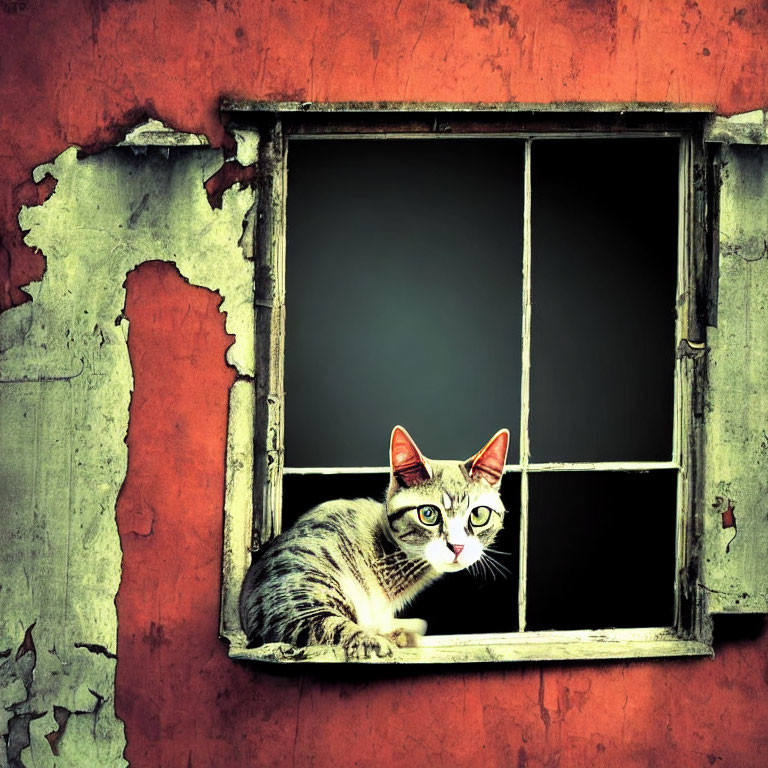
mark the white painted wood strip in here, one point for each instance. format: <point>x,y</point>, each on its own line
<point>553,466</point>
<point>334,470</point>
<point>522,564</point>
<point>513,135</point>
<point>525,393</point>
<point>238,502</point>
<point>525,377</point>
<point>600,466</point>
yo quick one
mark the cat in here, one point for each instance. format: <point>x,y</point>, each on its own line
<point>341,573</point>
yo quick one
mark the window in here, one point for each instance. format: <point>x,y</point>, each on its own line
<point>459,273</point>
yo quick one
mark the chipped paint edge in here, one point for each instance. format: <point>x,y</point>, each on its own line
<point>745,128</point>
<point>154,133</point>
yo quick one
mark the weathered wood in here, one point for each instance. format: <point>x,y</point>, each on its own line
<point>518,647</point>
<point>245,105</point>
<point>238,502</point>
<point>735,567</point>
<point>746,128</point>
<point>269,339</point>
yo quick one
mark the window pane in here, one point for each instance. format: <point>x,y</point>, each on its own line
<point>403,297</point>
<point>601,549</point>
<point>303,492</point>
<point>603,266</point>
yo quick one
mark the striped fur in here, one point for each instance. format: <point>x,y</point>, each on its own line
<point>341,573</point>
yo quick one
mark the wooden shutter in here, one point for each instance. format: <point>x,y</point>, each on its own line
<point>734,501</point>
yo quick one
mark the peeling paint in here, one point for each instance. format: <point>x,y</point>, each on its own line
<point>154,133</point>
<point>231,173</point>
<point>18,711</point>
<point>728,517</point>
<point>64,408</point>
<point>61,716</point>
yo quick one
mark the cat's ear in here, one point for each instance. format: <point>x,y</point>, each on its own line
<point>409,467</point>
<point>488,464</point>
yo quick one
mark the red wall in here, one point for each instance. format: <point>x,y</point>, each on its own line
<point>186,704</point>
<point>81,72</point>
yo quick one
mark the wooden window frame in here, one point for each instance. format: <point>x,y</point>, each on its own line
<point>255,438</point>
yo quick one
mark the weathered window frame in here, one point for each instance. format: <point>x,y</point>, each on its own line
<point>255,455</point>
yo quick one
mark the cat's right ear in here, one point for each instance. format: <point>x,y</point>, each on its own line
<point>408,465</point>
<point>488,464</point>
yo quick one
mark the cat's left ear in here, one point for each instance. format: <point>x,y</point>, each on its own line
<point>489,463</point>
<point>408,465</point>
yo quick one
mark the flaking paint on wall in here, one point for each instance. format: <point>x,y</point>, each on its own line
<point>64,400</point>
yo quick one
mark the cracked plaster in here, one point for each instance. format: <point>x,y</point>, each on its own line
<point>65,388</point>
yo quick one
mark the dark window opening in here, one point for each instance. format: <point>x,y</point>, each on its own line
<point>404,288</point>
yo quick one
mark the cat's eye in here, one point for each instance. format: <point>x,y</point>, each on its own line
<point>479,516</point>
<point>428,514</point>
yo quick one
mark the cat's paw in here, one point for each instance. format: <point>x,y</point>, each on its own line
<point>407,632</point>
<point>404,639</point>
<point>364,645</point>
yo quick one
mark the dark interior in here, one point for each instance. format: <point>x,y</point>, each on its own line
<point>601,549</point>
<point>604,268</point>
<point>403,291</point>
<point>404,307</point>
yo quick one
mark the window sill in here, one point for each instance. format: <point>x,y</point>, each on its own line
<point>527,646</point>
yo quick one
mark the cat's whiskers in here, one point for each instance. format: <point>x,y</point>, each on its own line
<point>495,566</point>
<point>487,569</point>
<point>497,552</point>
<point>476,570</point>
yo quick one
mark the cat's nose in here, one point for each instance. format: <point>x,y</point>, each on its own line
<point>455,548</point>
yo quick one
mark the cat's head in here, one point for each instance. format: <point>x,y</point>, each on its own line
<point>445,512</point>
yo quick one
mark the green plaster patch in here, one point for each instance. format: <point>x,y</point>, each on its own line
<point>64,396</point>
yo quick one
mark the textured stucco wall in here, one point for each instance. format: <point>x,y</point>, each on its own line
<point>75,73</point>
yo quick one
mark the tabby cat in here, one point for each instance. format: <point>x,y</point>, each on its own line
<point>340,574</point>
